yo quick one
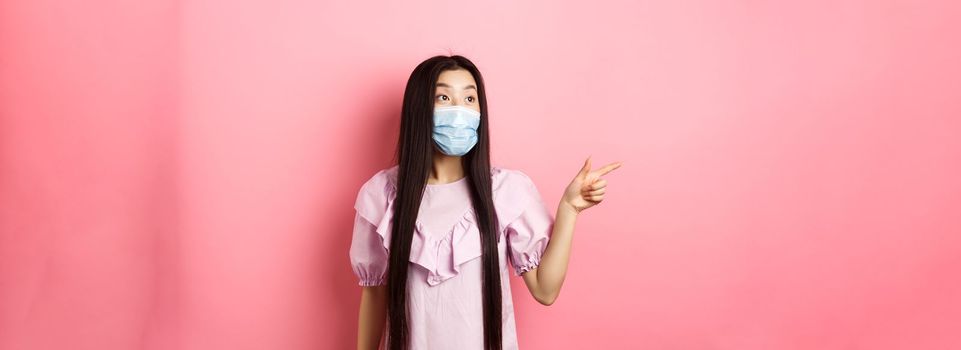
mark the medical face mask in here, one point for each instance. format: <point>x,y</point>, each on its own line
<point>455,129</point>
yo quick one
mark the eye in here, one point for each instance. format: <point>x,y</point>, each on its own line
<point>471,99</point>
<point>443,97</point>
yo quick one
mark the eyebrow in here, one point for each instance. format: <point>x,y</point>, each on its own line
<point>448,86</point>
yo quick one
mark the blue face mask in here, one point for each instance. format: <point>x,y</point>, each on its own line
<point>455,129</point>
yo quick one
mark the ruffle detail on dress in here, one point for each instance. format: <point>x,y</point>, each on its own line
<point>440,255</point>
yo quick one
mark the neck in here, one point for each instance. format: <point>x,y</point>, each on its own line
<point>445,169</point>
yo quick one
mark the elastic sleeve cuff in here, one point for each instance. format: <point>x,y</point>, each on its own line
<point>370,282</point>
<point>524,266</point>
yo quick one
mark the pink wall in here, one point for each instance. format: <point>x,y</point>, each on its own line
<point>180,174</point>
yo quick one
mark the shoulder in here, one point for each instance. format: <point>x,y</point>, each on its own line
<point>512,186</point>
<point>508,178</point>
<point>376,193</point>
<point>383,180</point>
<point>513,192</point>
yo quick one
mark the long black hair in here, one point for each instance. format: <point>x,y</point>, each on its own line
<point>414,156</point>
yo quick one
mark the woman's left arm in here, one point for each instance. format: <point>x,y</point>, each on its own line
<point>585,191</point>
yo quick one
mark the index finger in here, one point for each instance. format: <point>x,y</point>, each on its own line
<point>608,168</point>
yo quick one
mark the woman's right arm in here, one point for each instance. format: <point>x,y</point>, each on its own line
<point>373,316</point>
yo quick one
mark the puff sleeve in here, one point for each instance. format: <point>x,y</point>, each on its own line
<point>529,232</point>
<point>368,253</point>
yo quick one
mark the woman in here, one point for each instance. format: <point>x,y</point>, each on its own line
<point>434,233</point>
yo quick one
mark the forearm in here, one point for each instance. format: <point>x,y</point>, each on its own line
<point>373,316</point>
<point>553,266</point>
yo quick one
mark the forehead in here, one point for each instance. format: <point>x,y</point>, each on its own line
<point>455,79</point>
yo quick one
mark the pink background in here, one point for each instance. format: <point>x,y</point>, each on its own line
<point>181,174</point>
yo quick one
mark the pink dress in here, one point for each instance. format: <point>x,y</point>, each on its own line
<point>444,278</point>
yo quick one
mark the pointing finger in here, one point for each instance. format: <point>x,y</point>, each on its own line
<point>608,168</point>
